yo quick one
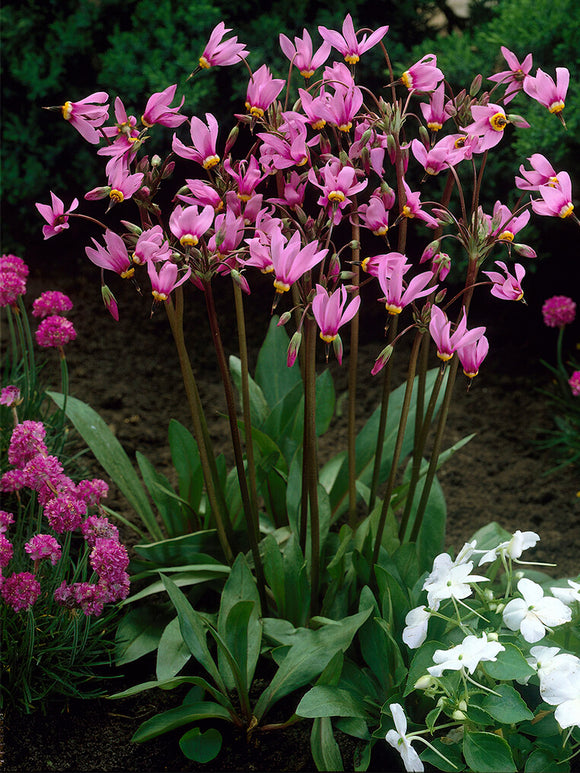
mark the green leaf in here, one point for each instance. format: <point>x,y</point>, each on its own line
<point>507,709</point>
<point>510,664</point>
<point>181,550</point>
<point>259,408</point>
<point>138,634</point>
<point>182,715</point>
<point>422,660</point>
<point>329,701</point>
<point>185,457</point>
<point>273,375</point>
<point>201,747</point>
<point>543,761</point>
<point>452,752</point>
<point>112,457</point>
<point>165,499</point>
<point>490,535</point>
<point>172,652</point>
<point>323,745</point>
<point>487,753</point>
<point>193,575</point>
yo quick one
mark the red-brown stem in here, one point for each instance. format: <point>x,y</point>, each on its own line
<point>352,374</point>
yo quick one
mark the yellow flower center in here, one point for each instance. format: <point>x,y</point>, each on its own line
<point>116,196</point>
<point>210,161</point>
<point>281,287</point>
<point>146,123</point>
<point>319,125</point>
<point>552,182</point>
<point>434,126</point>
<point>393,308</point>
<point>128,273</point>
<point>566,210</point>
<point>328,339</point>
<point>445,356</point>
<point>351,58</point>
<point>556,107</point>
<point>380,231</point>
<point>244,196</point>
<point>460,142</point>
<point>255,112</point>
<point>345,127</point>
<point>158,296</point>
<point>471,374</point>
<point>67,111</point>
<point>407,211</point>
<point>506,236</point>
<point>302,161</point>
<point>267,269</point>
<point>407,79</point>
<point>188,240</point>
<point>336,196</point>
<point>498,122</point>
<point>203,63</point>
<point>307,73</point>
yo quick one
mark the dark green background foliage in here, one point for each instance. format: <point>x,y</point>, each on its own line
<point>58,50</point>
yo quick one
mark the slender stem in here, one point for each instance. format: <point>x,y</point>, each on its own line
<point>398,444</point>
<point>223,525</point>
<point>252,523</point>
<point>311,455</point>
<point>352,374</point>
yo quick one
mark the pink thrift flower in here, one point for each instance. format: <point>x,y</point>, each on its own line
<point>87,115</point>
<point>6,520</point>
<point>11,287</point>
<point>41,470</point>
<point>164,281</point>
<point>51,302</point>
<point>549,94</point>
<point>301,55</point>
<point>541,173</point>
<point>447,343</point>
<point>108,558</point>
<point>262,91</point>
<point>204,139</point>
<point>14,265</point>
<point>26,441</point>
<point>158,111</point>
<point>515,76</point>
<point>55,215</point>
<point>89,597</point>
<point>189,224</point>
<point>55,331</point>
<point>424,75</point>
<point>92,491</point>
<point>113,257</point>
<point>472,355</point>
<point>574,382</point>
<point>219,52</point>
<point>508,287</point>
<point>98,528</point>
<point>43,546</point>
<point>331,312</point>
<point>10,396</point>
<point>20,591</point>
<point>559,311</point>
<point>347,43</point>
<point>556,199</point>
<point>6,551</point>
<point>435,113</point>
<point>65,512</point>
<point>290,261</point>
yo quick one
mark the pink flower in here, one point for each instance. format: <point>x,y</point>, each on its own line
<point>300,53</point>
<point>20,591</point>
<point>158,111</point>
<point>26,441</point>
<point>6,520</point>
<point>541,173</point>
<point>315,109</point>
<point>165,281</point>
<point>472,355</point>
<point>204,139</point>
<point>375,216</point>
<point>108,558</point>
<point>55,331</point>
<point>11,287</point>
<point>151,246</point>
<point>220,53</point>
<point>515,76</point>
<point>489,122</point>
<point>51,302</point>
<point>424,75</point>
<point>87,115</point>
<point>122,184</point>
<point>339,183</point>
<point>114,257</point>
<point>125,125</point>
<point>507,226</point>
<point>247,178</point>
<point>290,261</point>
<point>396,295</point>
<point>201,193</point>
<point>65,512</point>
<point>412,208</point>
<point>6,551</point>
<point>343,106</point>
<point>574,382</point>
<point>331,312</point>
<point>10,396</point>
<point>92,491</point>
<point>347,43</point>
<point>447,343</point>
<point>441,156</point>
<point>55,215</point>
<point>508,288</point>
<point>262,91</point>
<point>559,311</point>
<point>98,528</point>
<point>294,190</point>
<point>435,113</point>
<point>289,148</point>
<point>15,265</point>
<point>557,199</point>
<point>43,546</point>
<point>189,224</point>
<point>543,89</point>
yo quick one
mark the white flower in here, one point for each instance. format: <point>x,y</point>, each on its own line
<point>513,548</point>
<point>398,739</point>
<point>568,595</point>
<point>560,687</point>
<point>533,613</point>
<point>467,655</point>
<point>449,580</point>
<point>417,622</point>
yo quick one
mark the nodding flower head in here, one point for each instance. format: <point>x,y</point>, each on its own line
<point>219,52</point>
<point>347,43</point>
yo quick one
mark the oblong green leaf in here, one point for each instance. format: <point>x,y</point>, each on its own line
<point>330,701</point>
<point>172,652</point>
<point>182,715</point>
<point>488,753</point>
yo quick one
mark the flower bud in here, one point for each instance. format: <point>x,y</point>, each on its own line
<point>493,636</point>
<point>98,193</point>
<point>518,121</point>
<point>430,250</point>
<point>475,85</point>
<point>284,318</point>
<point>424,682</point>
<point>462,705</point>
<point>293,348</point>
<point>346,275</point>
<point>156,161</point>
<point>232,137</point>
<point>132,228</point>
<point>241,281</point>
<point>488,594</point>
<point>424,136</point>
<point>459,715</point>
<point>110,302</point>
<point>168,171</point>
<point>382,360</point>
<point>524,250</point>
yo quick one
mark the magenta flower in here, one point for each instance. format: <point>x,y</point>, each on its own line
<point>87,115</point>
<point>574,382</point>
<point>343,106</point>
<point>20,591</point>
<point>219,52</point>
<point>515,76</point>
<point>559,311</point>
<point>315,109</point>
<point>125,124</point>
<point>6,551</point>
<point>441,156</point>
<point>189,225</point>
<point>247,178</point>
<point>435,113</point>
<point>203,194</point>
<point>158,111</point>
<point>331,312</point>
<point>11,287</point>
<point>541,173</point>
<point>506,225</point>
<point>229,230</point>
<point>424,75</point>
<point>114,257</point>
<point>339,183</point>
<point>508,287</point>
<point>290,260</point>
<point>151,245</point>
<point>55,215</point>
<point>98,528</point>
<point>65,512</point>
<point>447,343</point>
<point>347,43</point>
<point>375,216</point>
<point>55,331</point>
<point>204,139</point>
<point>6,520</point>
<point>165,281</point>
<point>549,94</point>
<point>294,190</point>
<point>472,355</point>
<point>122,184</point>
<point>390,276</point>
<point>412,208</point>
<point>13,264</point>
<point>556,199</point>
<point>51,302</point>
<point>290,148</point>
<point>26,441</point>
<point>262,91</point>
<point>43,546</point>
<point>109,559</point>
<point>10,396</point>
<point>300,53</point>
<point>92,491</point>
<point>489,122</point>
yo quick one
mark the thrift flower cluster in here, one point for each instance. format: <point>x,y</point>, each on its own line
<point>13,275</point>
<point>66,506</point>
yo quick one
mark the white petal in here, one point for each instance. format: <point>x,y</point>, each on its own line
<point>532,629</point>
<point>568,713</point>
<point>514,613</point>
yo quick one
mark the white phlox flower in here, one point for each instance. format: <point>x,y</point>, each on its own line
<point>417,622</point>
<point>467,655</point>
<point>399,740</point>
<point>560,687</point>
<point>513,548</point>
<point>534,613</point>
<point>568,595</point>
<point>449,580</point>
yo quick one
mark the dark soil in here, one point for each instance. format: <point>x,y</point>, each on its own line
<point>128,371</point>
